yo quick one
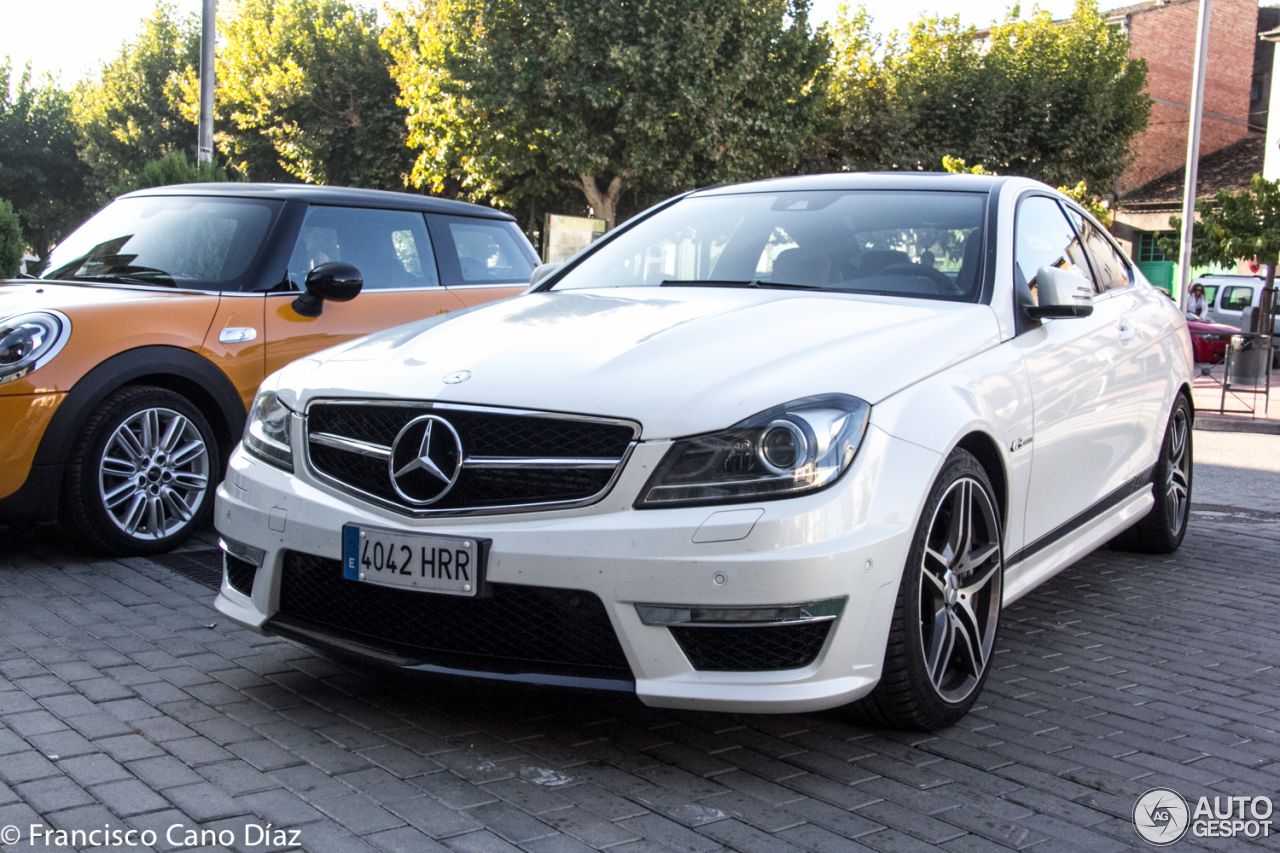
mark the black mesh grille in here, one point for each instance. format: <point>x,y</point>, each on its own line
<point>240,573</point>
<point>482,434</point>
<point>752,649</point>
<point>534,625</point>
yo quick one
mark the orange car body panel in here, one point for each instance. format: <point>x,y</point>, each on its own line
<point>23,419</point>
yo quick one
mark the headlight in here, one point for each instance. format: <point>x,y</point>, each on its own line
<point>267,432</point>
<point>28,341</point>
<point>799,447</point>
<point>1213,336</point>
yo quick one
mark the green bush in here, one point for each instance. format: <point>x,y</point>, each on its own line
<point>173,168</point>
<point>11,242</point>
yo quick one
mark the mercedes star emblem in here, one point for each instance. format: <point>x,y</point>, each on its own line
<point>457,376</point>
<point>426,459</point>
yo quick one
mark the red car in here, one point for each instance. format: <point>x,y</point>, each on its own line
<point>1210,339</point>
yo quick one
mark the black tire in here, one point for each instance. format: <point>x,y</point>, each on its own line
<point>928,681</point>
<point>142,473</point>
<point>1162,529</point>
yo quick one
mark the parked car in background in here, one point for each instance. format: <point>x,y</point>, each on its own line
<point>1229,295</point>
<point>1209,340</point>
<point>772,447</point>
<point>126,369</point>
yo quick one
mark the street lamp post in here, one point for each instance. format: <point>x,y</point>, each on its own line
<point>1193,151</point>
<point>208,34</point>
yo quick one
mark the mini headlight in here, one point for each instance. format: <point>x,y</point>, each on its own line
<point>799,447</point>
<point>267,432</point>
<point>28,341</point>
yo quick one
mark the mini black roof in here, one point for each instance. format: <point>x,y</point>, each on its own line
<point>350,196</point>
<point>865,181</point>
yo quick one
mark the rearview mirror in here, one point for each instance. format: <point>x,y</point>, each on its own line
<point>1061,293</point>
<point>542,273</point>
<point>334,281</point>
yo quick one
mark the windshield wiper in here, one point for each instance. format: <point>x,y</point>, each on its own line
<point>755,282</point>
<point>116,278</point>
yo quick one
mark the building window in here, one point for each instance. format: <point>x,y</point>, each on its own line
<point>1148,251</point>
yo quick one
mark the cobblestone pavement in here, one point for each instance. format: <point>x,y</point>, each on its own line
<point>126,700</point>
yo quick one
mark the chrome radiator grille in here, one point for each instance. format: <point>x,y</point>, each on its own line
<point>424,458</point>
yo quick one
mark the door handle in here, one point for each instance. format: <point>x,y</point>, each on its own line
<point>1125,332</point>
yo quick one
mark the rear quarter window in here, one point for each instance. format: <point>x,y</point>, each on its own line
<point>1236,297</point>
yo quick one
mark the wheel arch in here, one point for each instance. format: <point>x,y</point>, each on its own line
<point>984,448</point>
<point>173,368</point>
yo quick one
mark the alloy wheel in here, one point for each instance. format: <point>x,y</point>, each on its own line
<point>1178,474</point>
<point>153,474</point>
<point>960,590</point>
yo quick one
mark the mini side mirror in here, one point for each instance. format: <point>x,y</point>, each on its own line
<point>334,281</point>
<point>1061,293</point>
<point>542,273</point>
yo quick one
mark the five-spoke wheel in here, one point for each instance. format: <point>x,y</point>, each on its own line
<point>948,608</point>
<point>142,474</point>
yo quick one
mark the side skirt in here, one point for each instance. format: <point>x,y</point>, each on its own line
<point>1053,552</point>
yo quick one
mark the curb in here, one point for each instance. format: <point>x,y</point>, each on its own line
<point>1222,423</point>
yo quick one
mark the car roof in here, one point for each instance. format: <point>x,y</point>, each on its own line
<point>350,196</point>
<point>936,181</point>
<point>1230,276</point>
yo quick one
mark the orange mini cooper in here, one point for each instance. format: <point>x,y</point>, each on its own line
<point>127,367</point>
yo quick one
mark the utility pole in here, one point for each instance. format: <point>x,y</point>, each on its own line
<point>208,35</point>
<point>1193,151</point>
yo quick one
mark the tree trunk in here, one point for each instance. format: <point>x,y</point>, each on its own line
<point>604,205</point>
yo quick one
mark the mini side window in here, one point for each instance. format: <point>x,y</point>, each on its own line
<point>389,247</point>
<point>473,250</point>
<point>1236,298</point>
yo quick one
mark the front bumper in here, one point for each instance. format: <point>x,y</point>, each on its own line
<point>847,542</point>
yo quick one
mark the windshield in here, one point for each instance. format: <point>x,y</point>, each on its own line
<point>195,242</point>
<point>918,244</point>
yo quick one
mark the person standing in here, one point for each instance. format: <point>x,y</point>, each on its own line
<point>1196,303</point>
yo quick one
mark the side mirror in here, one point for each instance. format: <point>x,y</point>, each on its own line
<point>1061,293</point>
<point>542,273</point>
<point>334,281</point>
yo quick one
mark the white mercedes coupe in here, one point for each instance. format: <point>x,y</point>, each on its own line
<point>773,447</point>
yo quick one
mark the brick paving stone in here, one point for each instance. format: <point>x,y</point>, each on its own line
<point>1122,673</point>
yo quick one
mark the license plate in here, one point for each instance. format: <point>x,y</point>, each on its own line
<point>429,562</point>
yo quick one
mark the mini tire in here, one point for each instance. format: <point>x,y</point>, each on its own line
<point>947,613</point>
<point>142,473</point>
<point>1161,530</point>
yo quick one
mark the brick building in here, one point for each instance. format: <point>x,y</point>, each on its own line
<point>1164,34</point>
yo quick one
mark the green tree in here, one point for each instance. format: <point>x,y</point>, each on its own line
<point>305,94</point>
<point>130,112</point>
<point>1057,101</point>
<point>513,98</point>
<point>40,169</point>
<point>11,242</point>
<point>1234,226</point>
<point>173,168</point>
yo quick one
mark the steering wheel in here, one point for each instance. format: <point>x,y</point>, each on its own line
<point>940,280</point>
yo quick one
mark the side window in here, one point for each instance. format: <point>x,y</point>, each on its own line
<point>1043,238</point>
<point>389,247</point>
<point>480,251</point>
<point>1210,292</point>
<point>1236,298</point>
<point>1110,267</point>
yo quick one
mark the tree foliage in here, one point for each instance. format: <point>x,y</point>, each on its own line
<point>130,113</point>
<point>1233,226</point>
<point>11,242</point>
<point>304,93</point>
<point>40,169</point>
<point>1059,102</point>
<point>173,168</point>
<point>509,98</point>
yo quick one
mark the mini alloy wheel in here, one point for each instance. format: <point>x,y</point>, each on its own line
<point>142,474</point>
<point>153,474</point>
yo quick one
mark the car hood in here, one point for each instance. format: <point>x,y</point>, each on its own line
<point>1202,326</point>
<point>679,360</point>
<point>19,296</point>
